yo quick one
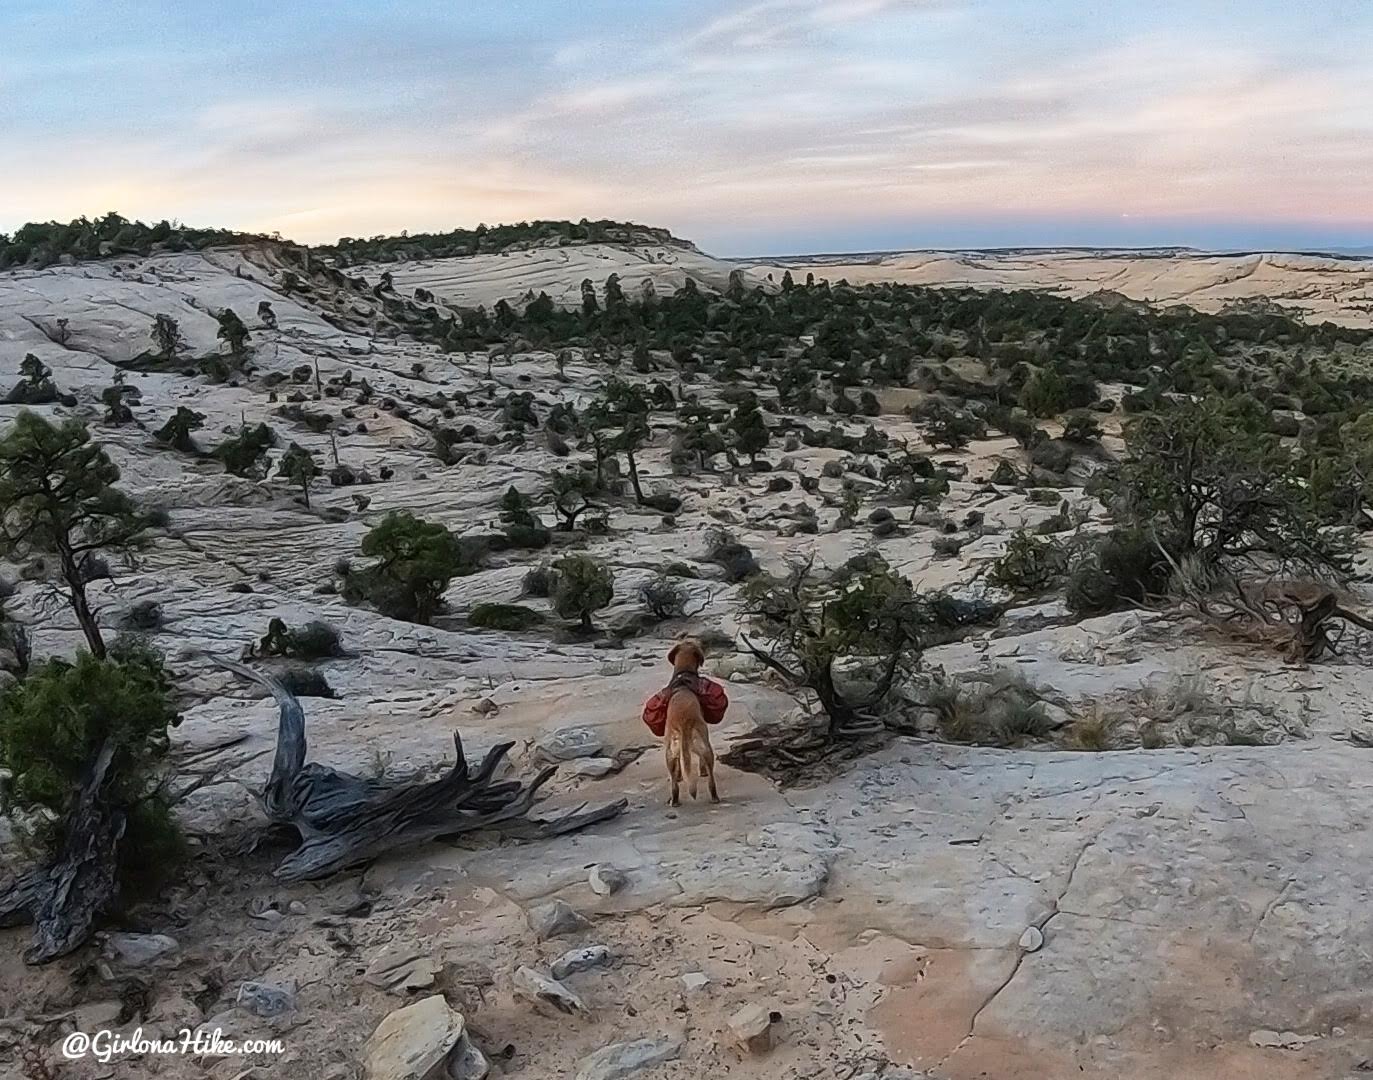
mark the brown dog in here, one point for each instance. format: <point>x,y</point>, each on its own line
<point>686,726</point>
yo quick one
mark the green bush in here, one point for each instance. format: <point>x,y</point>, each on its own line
<point>494,616</point>
<point>416,560</point>
<point>1029,564</point>
<point>1124,565</point>
<point>52,727</point>
<point>584,585</point>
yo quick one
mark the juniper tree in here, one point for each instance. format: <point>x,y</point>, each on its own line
<point>57,496</point>
<point>166,335</point>
<point>300,467</point>
<point>176,432</point>
<point>233,333</point>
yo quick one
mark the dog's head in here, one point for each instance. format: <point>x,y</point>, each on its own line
<point>686,656</point>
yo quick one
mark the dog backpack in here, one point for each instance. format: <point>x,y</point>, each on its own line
<point>711,694</point>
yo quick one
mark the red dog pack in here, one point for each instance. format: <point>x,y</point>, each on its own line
<point>713,699</point>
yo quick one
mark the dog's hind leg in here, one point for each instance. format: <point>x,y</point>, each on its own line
<point>686,768</point>
<point>707,756</point>
<point>674,772</point>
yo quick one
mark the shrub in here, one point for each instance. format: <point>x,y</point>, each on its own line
<point>315,640</point>
<point>1082,428</point>
<point>416,560</point>
<point>1004,474</point>
<point>1049,392</point>
<point>1029,564</point>
<point>493,616</point>
<point>243,455</point>
<point>539,582</point>
<point>584,585</point>
<point>947,546</point>
<point>523,529</point>
<point>144,615</point>
<point>52,727</point>
<point>726,552</point>
<point>306,682</point>
<point>1124,565</point>
<point>1052,454</point>
<point>663,597</point>
<point>1004,711</point>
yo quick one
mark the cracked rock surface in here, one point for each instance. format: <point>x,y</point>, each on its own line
<point>1187,897</point>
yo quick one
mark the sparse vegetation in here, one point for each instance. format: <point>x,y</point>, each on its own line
<point>1003,710</point>
<point>583,586</point>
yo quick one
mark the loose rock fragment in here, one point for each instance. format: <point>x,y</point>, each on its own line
<point>575,960</point>
<point>625,1058</point>
<point>607,880</point>
<point>752,1028</point>
<point>411,1042</point>
<point>542,991</point>
<point>555,920</point>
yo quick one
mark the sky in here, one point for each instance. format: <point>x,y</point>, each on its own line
<point>752,127</point>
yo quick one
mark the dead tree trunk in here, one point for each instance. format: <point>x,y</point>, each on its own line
<point>345,820</point>
<point>63,900</point>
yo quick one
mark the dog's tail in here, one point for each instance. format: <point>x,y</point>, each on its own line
<point>684,763</point>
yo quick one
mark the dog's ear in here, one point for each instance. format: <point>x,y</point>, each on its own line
<point>672,652</point>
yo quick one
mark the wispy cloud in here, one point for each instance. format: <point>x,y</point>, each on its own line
<point>732,120</point>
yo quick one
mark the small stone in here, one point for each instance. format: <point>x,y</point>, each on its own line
<point>466,1062</point>
<point>402,969</point>
<point>568,743</point>
<point>695,980</point>
<point>93,1015</point>
<point>410,1042</point>
<point>486,707</point>
<point>135,950</point>
<point>541,991</point>
<point>589,768</point>
<point>575,960</point>
<point>607,880</point>
<point>555,920</point>
<point>266,999</point>
<point>752,1028</point>
<point>625,1058</point>
<point>296,907</point>
<point>1279,1040</point>
<point>270,916</point>
<point>1032,940</point>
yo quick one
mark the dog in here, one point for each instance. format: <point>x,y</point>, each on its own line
<point>686,731</point>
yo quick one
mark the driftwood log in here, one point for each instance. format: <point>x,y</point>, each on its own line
<point>344,820</point>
